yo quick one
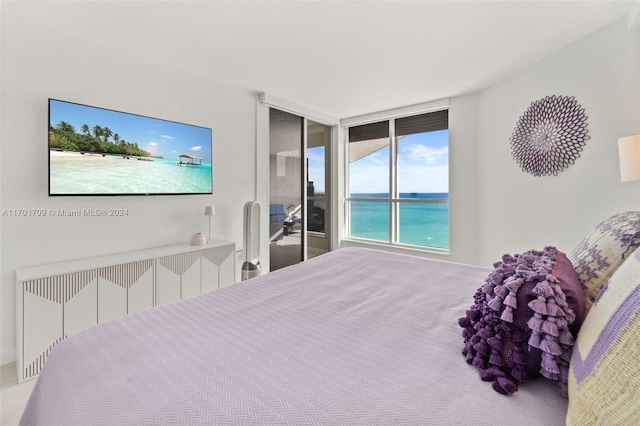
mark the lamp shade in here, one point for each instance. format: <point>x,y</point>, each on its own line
<point>209,211</point>
<point>629,153</point>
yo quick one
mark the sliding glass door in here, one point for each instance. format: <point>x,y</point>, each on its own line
<point>285,189</point>
<point>299,199</point>
<point>318,188</point>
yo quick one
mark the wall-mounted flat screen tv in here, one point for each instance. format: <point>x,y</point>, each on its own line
<point>97,151</point>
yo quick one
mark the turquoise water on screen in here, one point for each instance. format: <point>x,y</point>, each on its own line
<point>80,174</point>
<point>422,224</point>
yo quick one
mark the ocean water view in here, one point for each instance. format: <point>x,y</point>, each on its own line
<point>73,173</point>
<point>422,224</point>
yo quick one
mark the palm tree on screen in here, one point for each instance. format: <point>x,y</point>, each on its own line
<point>97,131</point>
<point>106,133</point>
<point>65,127</point>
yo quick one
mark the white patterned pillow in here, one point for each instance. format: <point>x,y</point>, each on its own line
<point>598,256</point>
<point>604,374</point>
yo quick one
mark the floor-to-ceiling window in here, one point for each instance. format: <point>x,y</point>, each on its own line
<point>398,175</point>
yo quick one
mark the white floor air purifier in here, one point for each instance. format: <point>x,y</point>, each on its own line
<point>251,264</point>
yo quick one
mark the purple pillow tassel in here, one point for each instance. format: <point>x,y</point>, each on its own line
<point>510,345</point>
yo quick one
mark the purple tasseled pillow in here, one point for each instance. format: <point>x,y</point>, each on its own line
<point>572,289</point>
<point>524,320</point>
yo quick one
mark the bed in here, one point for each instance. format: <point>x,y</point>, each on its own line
<point>352,337</point>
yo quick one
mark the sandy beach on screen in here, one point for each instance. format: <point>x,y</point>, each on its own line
<point>54,153</point>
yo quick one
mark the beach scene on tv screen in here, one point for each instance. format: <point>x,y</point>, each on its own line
<point>95,151</point>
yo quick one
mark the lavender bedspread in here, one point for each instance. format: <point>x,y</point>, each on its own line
<point>353,337</point>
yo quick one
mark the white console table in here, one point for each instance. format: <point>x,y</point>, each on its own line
<point>58,300</point>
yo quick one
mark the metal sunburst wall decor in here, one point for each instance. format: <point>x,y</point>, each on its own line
<point>549,135</point>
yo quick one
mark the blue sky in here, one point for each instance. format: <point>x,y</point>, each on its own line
<point>316,167</point>
<point>423,166</point>
<point>159,137</point>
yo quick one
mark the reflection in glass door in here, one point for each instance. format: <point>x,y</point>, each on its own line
<point>286,209</point>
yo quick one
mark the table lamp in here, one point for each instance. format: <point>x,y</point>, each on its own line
<point>209,211</point>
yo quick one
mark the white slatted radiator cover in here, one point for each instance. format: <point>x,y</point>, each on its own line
<point>47,298</point>
<point>59,300</point>
<point>127,274</point>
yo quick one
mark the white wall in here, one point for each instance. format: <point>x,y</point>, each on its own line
<point>519,211</point>
<point>35,66</point>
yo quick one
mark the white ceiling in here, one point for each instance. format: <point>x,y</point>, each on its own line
<point>342,58</point>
